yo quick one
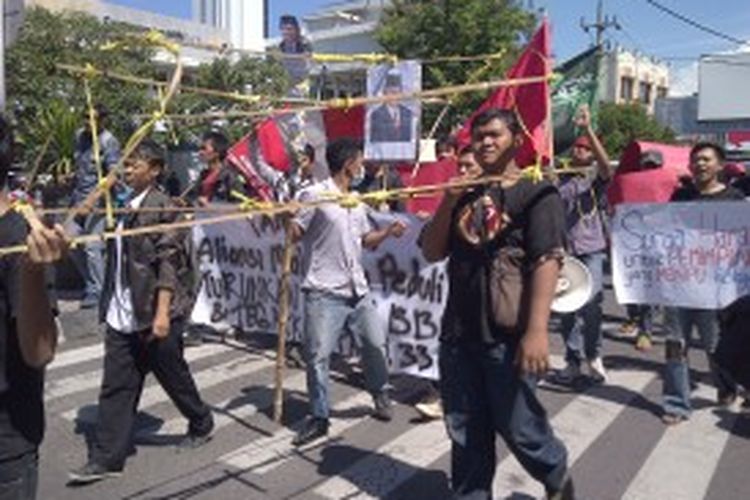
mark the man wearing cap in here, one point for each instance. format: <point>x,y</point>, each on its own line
<point>391,122</point>
<point>584,197</point>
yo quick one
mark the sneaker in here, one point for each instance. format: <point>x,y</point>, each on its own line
<point>192,338</point>
<point>725,399</point>
<point>91,473</point>
<point>314,428</point>
<point>627,330</point>
<point>193,441</point>
<point>383,407</point>
<point>430,409</point>
<point>672,419</point>
<point>643,342</point>
<point>569,374</point>
<point>567,492</point>
<point>596,370</point>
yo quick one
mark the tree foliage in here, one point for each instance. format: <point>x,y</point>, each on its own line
<point>428,29</point>
<point>619,124</point>
<point>47,102</point>
<point>37,88</point>
<point>245,76</point>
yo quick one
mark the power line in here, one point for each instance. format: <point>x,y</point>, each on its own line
<point>696,24</point>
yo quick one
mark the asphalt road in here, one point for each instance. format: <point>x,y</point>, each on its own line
<point>618,446</point>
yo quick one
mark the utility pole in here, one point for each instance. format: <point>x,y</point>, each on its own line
<point>602,24</point>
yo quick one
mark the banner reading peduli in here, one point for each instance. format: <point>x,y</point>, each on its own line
<point>693,255</point>
<point>239,268</point>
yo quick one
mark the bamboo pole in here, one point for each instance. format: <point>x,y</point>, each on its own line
<point>284,286</point>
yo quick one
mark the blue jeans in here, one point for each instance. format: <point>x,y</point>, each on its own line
<point>582,330</point>
<point>326,317</point>
<point>91,266</point>
<point>484,395</point>
<point>679,323</point>
<point>19,477</point>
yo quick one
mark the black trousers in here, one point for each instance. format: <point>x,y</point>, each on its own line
<point>127,360</point>
<point>19,477</point>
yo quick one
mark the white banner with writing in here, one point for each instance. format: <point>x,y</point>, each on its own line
<point>240,265</point>
<point>681,254</point>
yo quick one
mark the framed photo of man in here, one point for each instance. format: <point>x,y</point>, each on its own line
<point>392,126</point>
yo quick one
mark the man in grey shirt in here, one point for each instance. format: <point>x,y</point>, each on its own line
<point>584,198</point>
<point>336,293</point>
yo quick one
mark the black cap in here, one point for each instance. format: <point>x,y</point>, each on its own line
<point>288,19</point>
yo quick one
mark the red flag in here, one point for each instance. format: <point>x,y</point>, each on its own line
<point>528,101</point>
<point>271,142</point>
<point>240,156</point>
<point>428,174</point>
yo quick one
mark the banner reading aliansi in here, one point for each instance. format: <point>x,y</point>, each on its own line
<point>239,266</point>
<point>681,254</point>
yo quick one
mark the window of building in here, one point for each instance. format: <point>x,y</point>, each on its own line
<point>644,92</point>
<point>661,92</point>
<point>626,88</point>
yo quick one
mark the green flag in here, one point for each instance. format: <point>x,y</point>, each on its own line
<point>575,84</point>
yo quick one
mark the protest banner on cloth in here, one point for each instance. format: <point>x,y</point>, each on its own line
<point>681,254</point>
<point>239,267</point>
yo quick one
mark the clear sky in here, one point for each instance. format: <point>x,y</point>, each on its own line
<point>644,27</point>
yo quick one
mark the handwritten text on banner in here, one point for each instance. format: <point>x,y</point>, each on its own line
<point>240,265</point>
<point>681,254</point>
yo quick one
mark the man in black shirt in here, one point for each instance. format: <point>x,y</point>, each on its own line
<point>488,373</point>
<point>28,337</point>
<point>706,164</point>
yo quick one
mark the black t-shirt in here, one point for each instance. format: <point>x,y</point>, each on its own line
<point>21,387</point>
<point>528,215</point>
<point>690,193</point>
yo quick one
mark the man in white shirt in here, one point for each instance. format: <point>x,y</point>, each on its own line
<point>336,292</point>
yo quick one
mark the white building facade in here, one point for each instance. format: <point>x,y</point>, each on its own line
<point>245,21</point>
<point>628,76</point>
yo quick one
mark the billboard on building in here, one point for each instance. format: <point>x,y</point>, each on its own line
<point>723,90</point>
<point>392,126</point>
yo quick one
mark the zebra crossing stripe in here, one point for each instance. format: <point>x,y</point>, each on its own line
<point>266,454</point>
<point>75,356</point>
<point>59,388</point>
<point>205,379</point>
<point>683,462</point>
<point>381,472</point>
<point>225,412</point>
<point>578,425</point>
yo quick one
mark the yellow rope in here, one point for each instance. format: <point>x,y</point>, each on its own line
<point>151,38</point>
<point>350,102</point>
<point>94,129</point>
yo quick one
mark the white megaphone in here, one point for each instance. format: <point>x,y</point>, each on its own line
<point>574,286</point>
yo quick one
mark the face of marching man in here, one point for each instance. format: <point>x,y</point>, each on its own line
<point>140,173</point>
<point>494,145</point>
<point>705,165</point>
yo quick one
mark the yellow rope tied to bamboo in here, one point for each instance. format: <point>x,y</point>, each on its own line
<point>248,204</point>
<point>371,58</point>
<point>152,38</point>
<point>96,152</point>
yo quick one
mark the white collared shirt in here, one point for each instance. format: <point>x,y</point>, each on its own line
<point>120,314</point>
